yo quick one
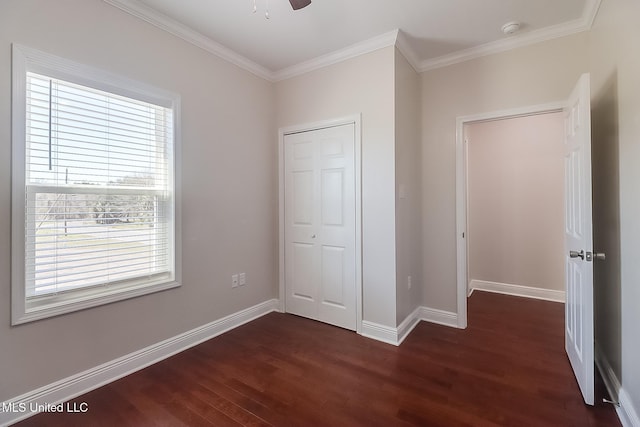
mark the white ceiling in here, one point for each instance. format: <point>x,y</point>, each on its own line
<point>433,32</point>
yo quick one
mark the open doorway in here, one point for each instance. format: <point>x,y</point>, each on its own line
<point>515,205</point>
<point>579,253</point>
<point>461,189</point>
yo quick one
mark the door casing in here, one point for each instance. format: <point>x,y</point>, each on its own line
<point>356,120</point>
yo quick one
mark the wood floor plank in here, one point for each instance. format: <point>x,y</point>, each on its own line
<point>508,368</point>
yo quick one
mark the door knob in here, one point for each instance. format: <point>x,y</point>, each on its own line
<point>600,256</point>
<point>576,254</point>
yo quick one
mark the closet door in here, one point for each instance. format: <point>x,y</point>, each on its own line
<point>320,264</point>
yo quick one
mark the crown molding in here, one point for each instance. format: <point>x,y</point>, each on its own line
<point>403,45</point>
<point>591,10</point>
<point>174,27</point>
<point>526,39</point>
<point>367,46</point>
<point>153,17</point>
<point>391,38</point>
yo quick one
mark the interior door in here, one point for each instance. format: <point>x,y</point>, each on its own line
<point>319,217</point>
<point>579,340</point>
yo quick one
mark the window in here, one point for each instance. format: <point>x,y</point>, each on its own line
<point>93,187</point>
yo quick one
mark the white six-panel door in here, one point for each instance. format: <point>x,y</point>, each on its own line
<point>578,237</point>
<point>319,225</point>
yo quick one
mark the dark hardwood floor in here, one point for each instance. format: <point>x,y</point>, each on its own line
<point>508,368</point>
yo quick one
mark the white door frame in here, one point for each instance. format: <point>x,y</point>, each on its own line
<point>356,120</point>
<point>462,248</point>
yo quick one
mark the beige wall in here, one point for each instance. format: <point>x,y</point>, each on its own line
<point>365,85</point>
<point>615,84</point>
<point>230,223</point>
<point>515,199</point>
<point>408,190</point>
<point>229,183</point>
<point>538,74</point>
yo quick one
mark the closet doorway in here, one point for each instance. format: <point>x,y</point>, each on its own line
<point>320,237</point>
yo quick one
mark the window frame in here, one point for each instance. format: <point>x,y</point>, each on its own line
<point>25,60</point>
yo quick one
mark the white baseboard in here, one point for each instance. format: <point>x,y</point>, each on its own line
<point>627,413</point>
<point>407,325</point>
<point>395,336</point>
<point>517,290</point>
<point>81,383</point>
<point>441,317</point>
<point>609,377</point>
<point>379,332</point>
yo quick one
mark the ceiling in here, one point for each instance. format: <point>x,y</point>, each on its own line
<point>432,32</point>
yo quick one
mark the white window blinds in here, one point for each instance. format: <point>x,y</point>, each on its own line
<point>98,189</point>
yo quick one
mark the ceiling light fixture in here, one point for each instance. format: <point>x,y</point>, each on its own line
<point>511,27</point>
<point>295,4</point>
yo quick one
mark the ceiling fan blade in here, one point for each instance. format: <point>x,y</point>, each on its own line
<point>299,4</point>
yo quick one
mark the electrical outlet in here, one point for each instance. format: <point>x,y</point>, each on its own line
<point>234,281</point>
<point>409,284</point>
<point>243,279</point>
